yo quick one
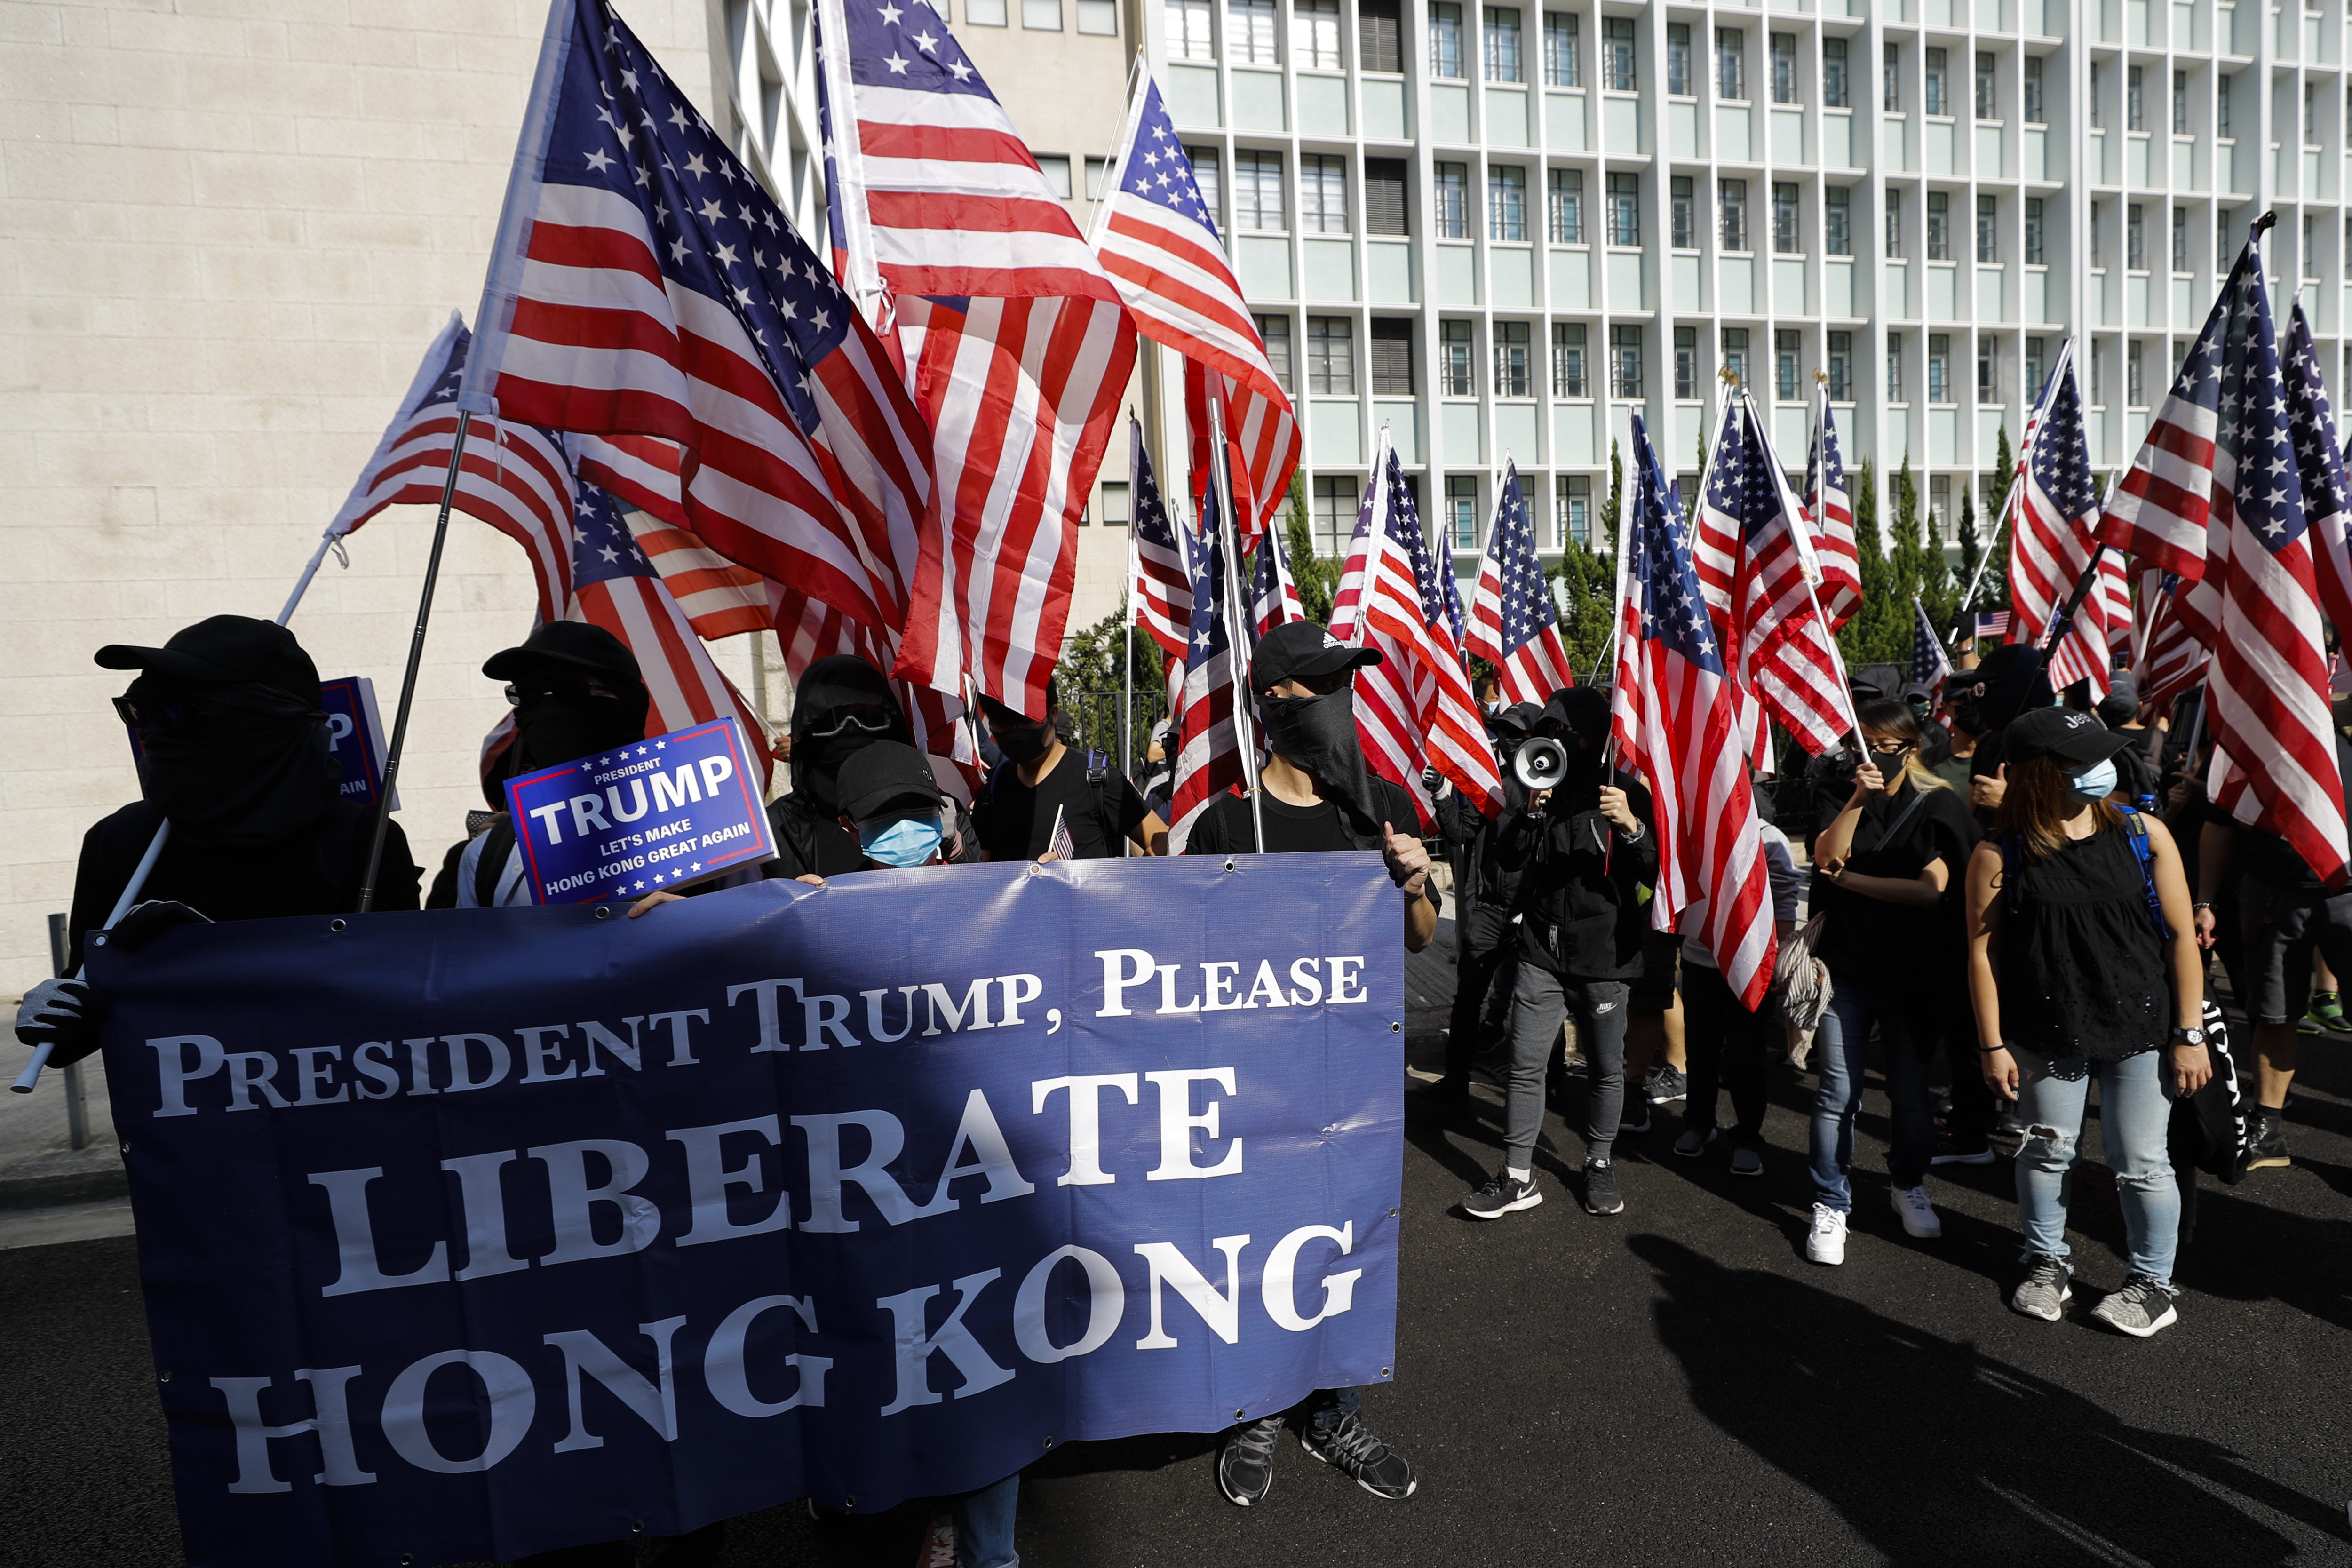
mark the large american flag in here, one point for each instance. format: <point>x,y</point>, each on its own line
<point>1016,340</point>
<point>2087,650</point>
<point>1829,509</point>
<point>644,284</point>
<point>1513,624</point>
<point>1714,533</point>
<point>2050,542</point>
<point>1274,593</point>
<point>1159,242</point>
<point>1673,721</point>
<point>1161,590</point>
<point>2319,459</point>
<point>1780,649</point>
<point>2217,495</point>
<point>1415,708</point>
<point>1208,760</point>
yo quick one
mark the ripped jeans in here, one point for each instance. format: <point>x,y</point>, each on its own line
<point>2134,1114</point>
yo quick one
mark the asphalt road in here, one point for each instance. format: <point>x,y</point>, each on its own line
<point>1672,1385</point>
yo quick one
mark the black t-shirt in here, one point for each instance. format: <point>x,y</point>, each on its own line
<point>1224,827</point>
<point>314,872</point>
<point>1015,821</point>
<point>1867,938</point>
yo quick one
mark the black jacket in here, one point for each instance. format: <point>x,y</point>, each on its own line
<point>1473,848</point>
<point>1585,888</point>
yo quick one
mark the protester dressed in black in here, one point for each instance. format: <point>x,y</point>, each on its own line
<point>1485,900</point>
<point>842,706</point>
<point>1317,795</point>
<point>1042,781</point>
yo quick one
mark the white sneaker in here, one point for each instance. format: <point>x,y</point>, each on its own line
<point>1917,1213</point>
<point>1826,1243</point>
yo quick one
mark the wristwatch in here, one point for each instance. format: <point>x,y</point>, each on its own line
<point>2189,1037</point>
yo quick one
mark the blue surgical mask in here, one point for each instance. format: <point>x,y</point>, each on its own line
<point>2097,783</point>
<point>903,841</point>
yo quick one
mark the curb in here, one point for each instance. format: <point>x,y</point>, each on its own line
<point>75,1176</point>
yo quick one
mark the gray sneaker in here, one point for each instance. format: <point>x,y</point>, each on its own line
<point>2044,1291</point>
<point>2140,1309</point>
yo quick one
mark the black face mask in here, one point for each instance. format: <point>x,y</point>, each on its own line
<point>842,706</point>
<point>566,724</point>
<point>234,766</point>
<point>1318,735</point>
<point>1025,743</point>
<point>1968,713</point>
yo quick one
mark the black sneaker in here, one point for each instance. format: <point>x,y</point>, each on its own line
<point>1501,1196</point>
<point>1245,1464</point>
<point>1601,1194</point>
<point>1371,1463</point>
<point>1635,1116</point>
<point>2266,1149</point>
<point>1954,1150</point>
<point>1666,1084</point>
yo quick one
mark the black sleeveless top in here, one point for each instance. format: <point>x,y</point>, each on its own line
<point>2081,967</point>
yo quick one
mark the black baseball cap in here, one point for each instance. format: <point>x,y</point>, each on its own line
<point>883,777</point>
<point>591,649</point>
<point>224,650</point>
<point>1519,718</point>
<point>2066,733</point>
<point>1300,650</point>
<point>1000,713</point>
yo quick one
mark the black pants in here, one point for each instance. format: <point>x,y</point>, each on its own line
<point>1726,1045</point>
<point>1485,950</point>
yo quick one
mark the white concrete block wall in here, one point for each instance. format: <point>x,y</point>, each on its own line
<point>228,228</point>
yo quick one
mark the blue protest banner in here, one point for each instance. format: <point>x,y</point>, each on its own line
<point>650,816</point>
<point>471,1234</point>
<point>355,737</point>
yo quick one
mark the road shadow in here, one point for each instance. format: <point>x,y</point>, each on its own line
<point>1933,1452</point>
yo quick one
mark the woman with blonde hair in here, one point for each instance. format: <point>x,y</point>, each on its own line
<point>2081,955</point>
<point>1886,861</point>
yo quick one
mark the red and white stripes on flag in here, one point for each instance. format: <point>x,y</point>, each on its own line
<point>1672,721</point>
<point>1207,761</point>
<point>2171,660</point>
<point>1829,509</point>
<point>1415,708</point>
<point>1513,624</point>
<point>2087,650</point>
<point>1274,593</point>
<point>2057,504</point>
<point>1159,555</point>
<point>1018,345</point>
<point>1157,240</point>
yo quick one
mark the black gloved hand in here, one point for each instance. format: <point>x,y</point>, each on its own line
<point>62,1015</point>
<point>148,920</point>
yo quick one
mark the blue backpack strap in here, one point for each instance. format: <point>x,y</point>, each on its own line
<point>2145,854</point>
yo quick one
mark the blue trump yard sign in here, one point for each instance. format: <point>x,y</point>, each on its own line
<point>478,1232</point>
<point>649,817</point>
<point>355,738</point>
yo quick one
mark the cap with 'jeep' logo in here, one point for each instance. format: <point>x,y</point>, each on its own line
<point>1299,650</point>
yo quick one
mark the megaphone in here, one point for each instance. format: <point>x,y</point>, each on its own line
<point>1541,763</point>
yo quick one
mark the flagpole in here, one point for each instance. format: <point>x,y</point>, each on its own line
<point>2017,474</point>
<point>1220,476</point>
<point>416,661</point>
<point>1617,613</point>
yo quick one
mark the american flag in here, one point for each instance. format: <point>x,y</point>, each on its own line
<point>1780,651</point>
<point>1513,624</point>
<point>1415,708</point>
<point>1017,342</point>
<point>1930,665</point>
<point>2105,616</point>
<point>2320,462</point>
<point>644,284</point>
<point>1159,242</point>
<point>1989,624</point>
<point>1714,533</point>
<point>1830,510</point>
<point>516,477</point>
<point>1059,844</point>
<point>1161,590</point>
<point>1274,594</point>
<point>2172,660</point>
<point>2050,542</point>
<point>2217,495</point>
<point>1673,721</point>
<point>1208,760</point>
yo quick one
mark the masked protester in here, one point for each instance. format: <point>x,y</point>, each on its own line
<point>842,706</point>
<point>1486,898</point>
<point>235,754</point>
<point>1043,780</point>
<point>2081,947</point>
<point>1316,794</point>
<point>1981,703</point>
<point>1589,860</point>
<point>576,692</point>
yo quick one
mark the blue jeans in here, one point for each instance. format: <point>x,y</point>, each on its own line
<point>983,1524</point>
<point>2134,1115</point>
<point>1843,1047</point>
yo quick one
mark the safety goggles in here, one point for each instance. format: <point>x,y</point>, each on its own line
<point>518,696</point>
<point>872,719</point>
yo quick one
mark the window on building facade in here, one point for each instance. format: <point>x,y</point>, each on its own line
<point>2098,360</point>
<point>1730,63</point>
<point>1444,38</point>
<point>1568,373</point>
<point>2310,253</point>
<point>1502,32</point>
<point>1335,514</point>
<point>1678,60</point>
<point>1686,361</point>
<point>1249,31</point>
<point>1098,174</point>
<point>2098,103</point>
<point>1788,352</point>
<point>1987,229</point>
<point>1380,36</point>
<point>1322,193</point>
<point>1893,367</point>
<point>1330,356</point>
<point>1784,218</point>
<point>1985,106</point>
<point>1057,170</point>
<point>2035,349</point>
<point>1099,17</point>
<point>1257,190</point>
<point>1933,102</point>
<point>986,13</point>
<point>1618,36</point>
<point>1988,369</point>
<point>1625,361</point>
<point>2034,114</point>
<point>1837,220</point>
<point>1188,25</point>
<point>1682,213</point>
<point>1275,332</point>
<point>1566,199</point>
<point>2033,253</point>
<point>1116,511</point>
<point>2135,99</point>
<point>1939,506</point>
<point>2180,239</point>
<point>1514,375</point>
<point>2135,239</point>
<point>1208,173</point>
<point>2135,387</point>
<point>1390,352</point>
<point>2180,103</point>
<point>2223,253</point>
<point>1939,367</point>
<point>1841,367</point>
<point>1451,186</point>
<point>1735,355</point>
<point>2311,114</point>
<point>1731,200</point>
<point>2221,97</point>
<point>1890,73</point>
<point>1572,511</point>
<point>1386,211</point>
<point>1562,41</point>
<point>1456,375</point>
<point>1835,93</point>
<point>1507,203</point>
<point>1462,511</point>
<point>1314,34</point>
<point>2348,249</point>
<point>1894,225</point>
<point>1784,68</point>
<point>1042,15</point>
<point>1939,226</point>
<point>1625,209</point>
